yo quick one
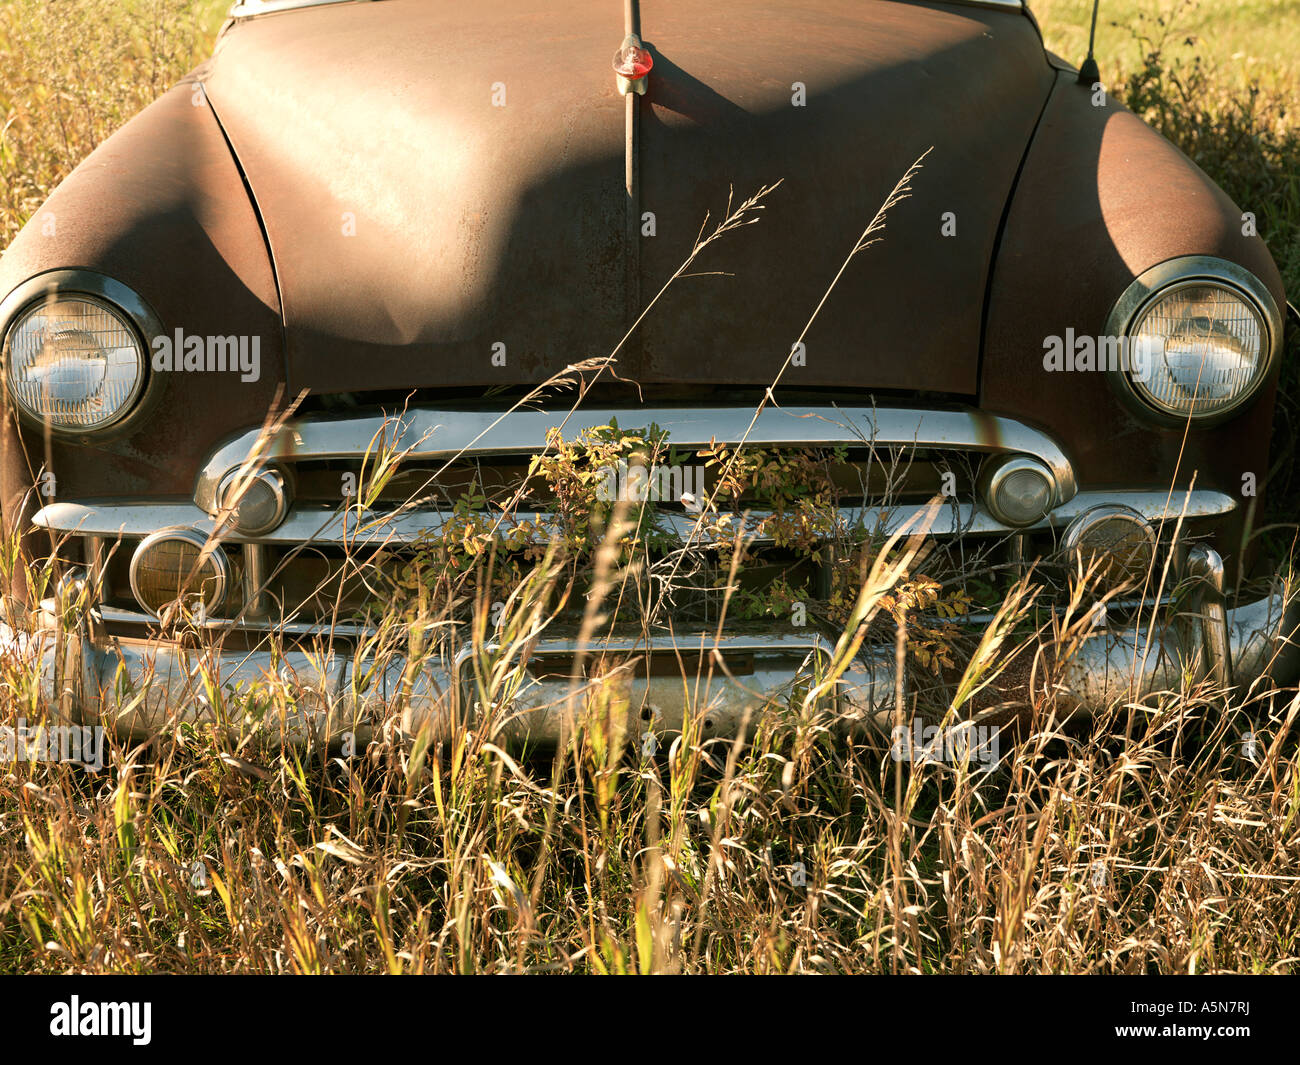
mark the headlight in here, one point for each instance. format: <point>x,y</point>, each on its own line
<point>74,361</point>
<point>1201,336</point>
<point>1199,349</point>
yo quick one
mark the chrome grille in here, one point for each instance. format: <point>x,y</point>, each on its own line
<point>888,463</point>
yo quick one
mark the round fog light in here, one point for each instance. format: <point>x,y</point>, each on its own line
<point>1018,490</point>
<point>172,565</point>
<point>257,503</point>
<point>1112,542</point>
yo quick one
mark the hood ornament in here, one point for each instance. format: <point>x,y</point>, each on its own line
<point>631,65</point>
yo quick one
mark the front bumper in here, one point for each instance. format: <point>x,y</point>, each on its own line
<point>146,688</point>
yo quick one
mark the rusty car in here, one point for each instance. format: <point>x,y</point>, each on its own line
<point>377,262</point>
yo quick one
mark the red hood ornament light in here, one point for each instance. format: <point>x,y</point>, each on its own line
<point>631,64</point>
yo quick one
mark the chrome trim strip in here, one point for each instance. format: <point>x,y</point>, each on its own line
<point>113,615</point>
<point>324,526</point>
<point>686,643</point>
<point>445,434</point>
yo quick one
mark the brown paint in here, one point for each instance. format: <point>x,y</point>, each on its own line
<point>478,225</point>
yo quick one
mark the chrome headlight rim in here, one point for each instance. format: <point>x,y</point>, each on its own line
<point>220,562</point>
<point>1072,542</point>
<point>1186,272</point>
<point>116,297</point>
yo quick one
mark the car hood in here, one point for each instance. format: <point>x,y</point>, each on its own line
<point>445,193</point>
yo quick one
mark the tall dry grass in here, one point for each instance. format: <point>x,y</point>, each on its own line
<point>1154,840</point>
<point>73,71</point>
<point>1157,838</point>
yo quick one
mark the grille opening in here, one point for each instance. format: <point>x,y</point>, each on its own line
<point>856,476</point>
<point>320,585</point>
<point>320,582</point>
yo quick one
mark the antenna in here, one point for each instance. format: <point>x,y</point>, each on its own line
<point>1089,73</point>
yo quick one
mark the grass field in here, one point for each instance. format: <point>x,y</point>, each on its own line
<point>1166,838</point>
<point>1241,40</point>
